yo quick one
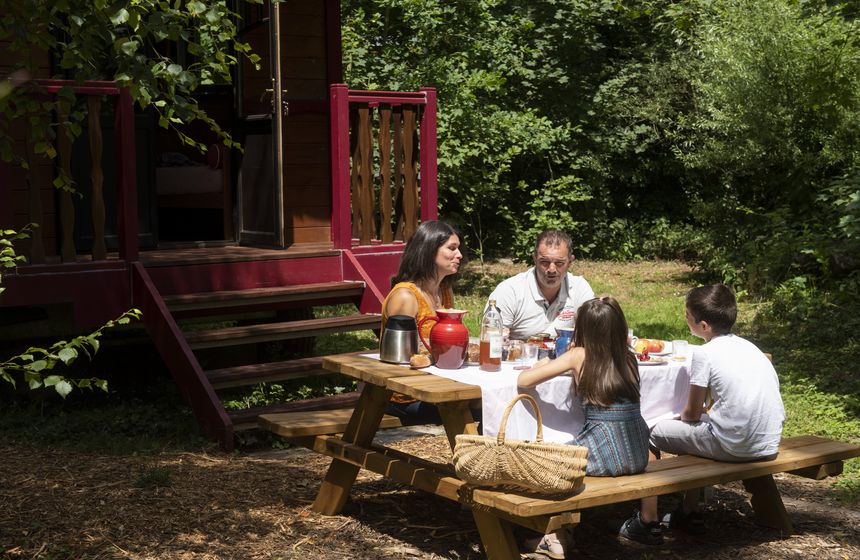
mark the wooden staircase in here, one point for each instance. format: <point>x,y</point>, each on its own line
<point>184,350</point>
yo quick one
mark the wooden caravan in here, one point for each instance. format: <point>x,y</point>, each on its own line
<point>314,211</point>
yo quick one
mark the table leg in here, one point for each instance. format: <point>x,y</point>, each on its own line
<point>361,428</point>
<point>767,503</point>
<point>457,419</point>
<point>497,536</point>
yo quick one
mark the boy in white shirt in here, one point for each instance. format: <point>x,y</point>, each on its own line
<point>744,423</point>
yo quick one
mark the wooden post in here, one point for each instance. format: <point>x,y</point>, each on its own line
<point>341,223</point>
<point>94,103</point>
<point>767,503</point>
<point>361,428</point>
<point>428,149</point>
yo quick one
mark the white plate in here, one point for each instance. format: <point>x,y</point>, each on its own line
<point>662,362</point>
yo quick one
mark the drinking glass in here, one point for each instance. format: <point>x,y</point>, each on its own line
<point>680,350</point>
<point>631,340</point>
<point>515,350</point>
<point>530,354</point>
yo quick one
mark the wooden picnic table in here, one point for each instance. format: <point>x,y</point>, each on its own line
<point>495,510</point>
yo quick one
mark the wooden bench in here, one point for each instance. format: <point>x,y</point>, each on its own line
<point>807,456</point>
<point>299,425</point>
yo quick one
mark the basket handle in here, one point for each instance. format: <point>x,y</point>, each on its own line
<point>522,396</point>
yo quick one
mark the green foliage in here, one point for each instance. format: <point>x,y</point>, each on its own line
<point>719,131</point>
<point>778,97</point>
<point>489,61</point>
<point>36,365</point>
<point>8,258</point>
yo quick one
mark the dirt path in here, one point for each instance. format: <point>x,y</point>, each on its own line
<point>57,504</point>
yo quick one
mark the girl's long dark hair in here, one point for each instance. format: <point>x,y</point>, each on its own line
<point>609,373</point>
<point>418,264</point>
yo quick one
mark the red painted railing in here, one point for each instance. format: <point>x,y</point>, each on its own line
<point>126,186</point>
<point>362,174</point>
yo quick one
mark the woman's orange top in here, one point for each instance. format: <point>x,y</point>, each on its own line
<point>425,309</point>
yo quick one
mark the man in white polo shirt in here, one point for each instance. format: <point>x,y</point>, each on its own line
<point>545,296</point>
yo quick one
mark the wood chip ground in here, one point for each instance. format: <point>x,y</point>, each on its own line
<point>58,504</point>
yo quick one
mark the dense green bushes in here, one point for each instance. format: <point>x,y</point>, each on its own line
<point>723,131</point>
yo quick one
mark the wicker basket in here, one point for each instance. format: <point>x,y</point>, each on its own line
<point>545,468</point>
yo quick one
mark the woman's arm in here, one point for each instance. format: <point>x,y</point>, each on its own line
<point>695,404</point>
<point>401,302</point>
<point>572,359</point>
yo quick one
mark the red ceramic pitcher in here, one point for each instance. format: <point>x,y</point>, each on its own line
<point>449,338</point>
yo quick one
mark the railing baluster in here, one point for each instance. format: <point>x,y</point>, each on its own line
<point>67,207</point>
<point>385,174</point>
<point>94,103</point>
<point>354,177</point>
<point>410,182</point>
<point>398,172</point>
<point>365,140</point>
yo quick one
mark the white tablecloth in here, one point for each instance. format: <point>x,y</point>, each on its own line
<point>663,391</point>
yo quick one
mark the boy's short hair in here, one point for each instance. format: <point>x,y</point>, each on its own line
<point>715,304</point>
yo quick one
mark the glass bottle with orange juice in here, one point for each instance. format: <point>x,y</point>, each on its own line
<point>490,358</point>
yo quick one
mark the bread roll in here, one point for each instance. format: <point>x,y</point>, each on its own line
<point>419,360</point>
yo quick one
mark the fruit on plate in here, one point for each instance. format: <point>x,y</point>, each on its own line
<point>649,344</point>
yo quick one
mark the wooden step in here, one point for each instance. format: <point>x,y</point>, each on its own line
<point>314,422</point>
<point>234,336</point>
<point>241,376</point>
<point>246,419</point>
<point>320,293</point>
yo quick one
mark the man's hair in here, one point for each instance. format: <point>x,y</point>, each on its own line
<point>551,238</point>
<point>715,304</point>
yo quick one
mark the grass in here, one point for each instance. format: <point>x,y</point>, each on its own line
<point>814,351</point>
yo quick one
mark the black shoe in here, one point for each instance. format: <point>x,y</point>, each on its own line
<point>692,523</point>
<point>643,533</point>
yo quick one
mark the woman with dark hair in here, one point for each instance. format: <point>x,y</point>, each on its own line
<point>426,276</point>
<point>428,268</point>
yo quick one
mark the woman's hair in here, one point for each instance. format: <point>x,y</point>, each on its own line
<point>609,372</point>
<point>419,257</point>
<point>714,304</point>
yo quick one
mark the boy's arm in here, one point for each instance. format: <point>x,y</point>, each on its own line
<point>695,404</point>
